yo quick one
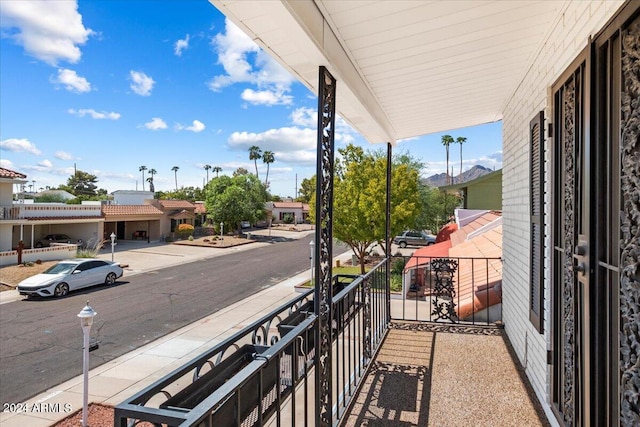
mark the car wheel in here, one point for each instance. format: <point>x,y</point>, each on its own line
<point>430,243</point>
<point>403,244</point>
<point>111,279</point>
<point>38,245</point>
<point>61,290</point>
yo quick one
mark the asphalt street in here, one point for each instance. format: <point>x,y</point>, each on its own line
<point>41,339</point>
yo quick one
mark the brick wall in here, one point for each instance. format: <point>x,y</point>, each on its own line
<point>567,39</point>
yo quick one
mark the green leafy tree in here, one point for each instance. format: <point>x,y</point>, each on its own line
<point>240,171</point>
<point>255,153</point>
<point>360,203</point>
<point>446,141</point>
<point>234,199</point>
<point>190,194</point>
<point>81,184</point>
<point>307,189</point>
<point>268,157</point>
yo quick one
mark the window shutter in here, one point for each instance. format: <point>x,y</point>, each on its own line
<point>536,285</point>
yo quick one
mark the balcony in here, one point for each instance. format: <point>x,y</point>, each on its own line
<point>28,211</point>
<point>378,367</point>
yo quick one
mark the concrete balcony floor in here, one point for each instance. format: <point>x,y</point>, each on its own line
<point>437,375</point>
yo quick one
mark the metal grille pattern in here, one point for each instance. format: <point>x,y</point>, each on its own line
<point>630,228</point>
<point>324,241</point>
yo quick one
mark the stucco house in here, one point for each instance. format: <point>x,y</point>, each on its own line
<point>26,221</point>
<point>294,212</point>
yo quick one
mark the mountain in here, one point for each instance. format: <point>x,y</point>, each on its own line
<point>440,179</point>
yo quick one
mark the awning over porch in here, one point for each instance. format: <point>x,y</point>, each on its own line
<point>405,68</point>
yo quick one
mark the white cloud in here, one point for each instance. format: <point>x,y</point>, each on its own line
<point>72,81</point>
<point>156,123</point>
<point>51,31</point>
<point>266,97</point>
<point>63,155</point>
<point>181,45</point>
<point>141,84</point>
<point>19,145</point>
<point>45,164</point>
<point>304,116</point>
<point>285,139</point>
<point>98,115</point>
<point>7,164</point>
<point>236,52</point>
<point>196,127</point>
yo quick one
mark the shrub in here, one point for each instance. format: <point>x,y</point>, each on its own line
<point>191,238</point>
<point>92,249</point>
<point>185,230</point>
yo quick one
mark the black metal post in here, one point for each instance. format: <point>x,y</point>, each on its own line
<point>387,274</point>
<point>323,247</point>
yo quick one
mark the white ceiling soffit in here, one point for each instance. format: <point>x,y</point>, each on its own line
<point>404,68</point>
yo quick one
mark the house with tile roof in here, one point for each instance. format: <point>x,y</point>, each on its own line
<point>475,248</point>
<point>280,211</point>
<point>23,222</point>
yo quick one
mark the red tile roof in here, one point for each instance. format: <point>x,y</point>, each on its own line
<point>8,173</point>
<point>445,232</point>
<point>478,279</point>
<point>130,210</point>
<point>176,204</point>
<point>291,205</point>
<point>200,208</point>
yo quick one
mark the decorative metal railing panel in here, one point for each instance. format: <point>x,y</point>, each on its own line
<point>446,289</point>
<point>444,306</point>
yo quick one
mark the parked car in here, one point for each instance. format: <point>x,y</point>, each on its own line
<point>65,276</point>
<point>53,238</point>
<point>414,238</point>
<point>245,224</point>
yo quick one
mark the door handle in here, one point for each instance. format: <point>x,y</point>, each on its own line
<point>580,250</point>
<point>580,267</point>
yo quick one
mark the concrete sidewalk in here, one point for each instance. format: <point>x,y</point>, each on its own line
<point>118,379</point>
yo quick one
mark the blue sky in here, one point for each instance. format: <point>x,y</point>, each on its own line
<point>109,86</point>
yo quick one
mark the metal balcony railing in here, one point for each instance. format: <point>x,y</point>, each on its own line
<point>447,289</point>
<point>263,374</point>
<point>266,373</point>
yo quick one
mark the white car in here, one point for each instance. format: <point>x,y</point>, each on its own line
<point>65,276</point>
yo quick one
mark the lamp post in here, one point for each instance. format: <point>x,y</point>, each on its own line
<point>86,320</point>
<point>312,246</point>
<point>222,231</point>
<point>113,244</point>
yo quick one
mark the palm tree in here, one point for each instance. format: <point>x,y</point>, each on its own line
<point>175,171</point>
<point>217,169</point>
<point>461,140</point>
<point>152,172</point>
<point>142,169</point>
<point>151,186</point>
<point>446,140</point>
<point>207,168</point>
<point>255,153</point>
<point>268,158</point>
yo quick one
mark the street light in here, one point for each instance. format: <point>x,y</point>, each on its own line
<point>86,320</point>
<point>222,231</point>
<point>312,245</point>
<point>113,244</point>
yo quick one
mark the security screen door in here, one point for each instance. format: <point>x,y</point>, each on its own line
<point>595,229</point>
